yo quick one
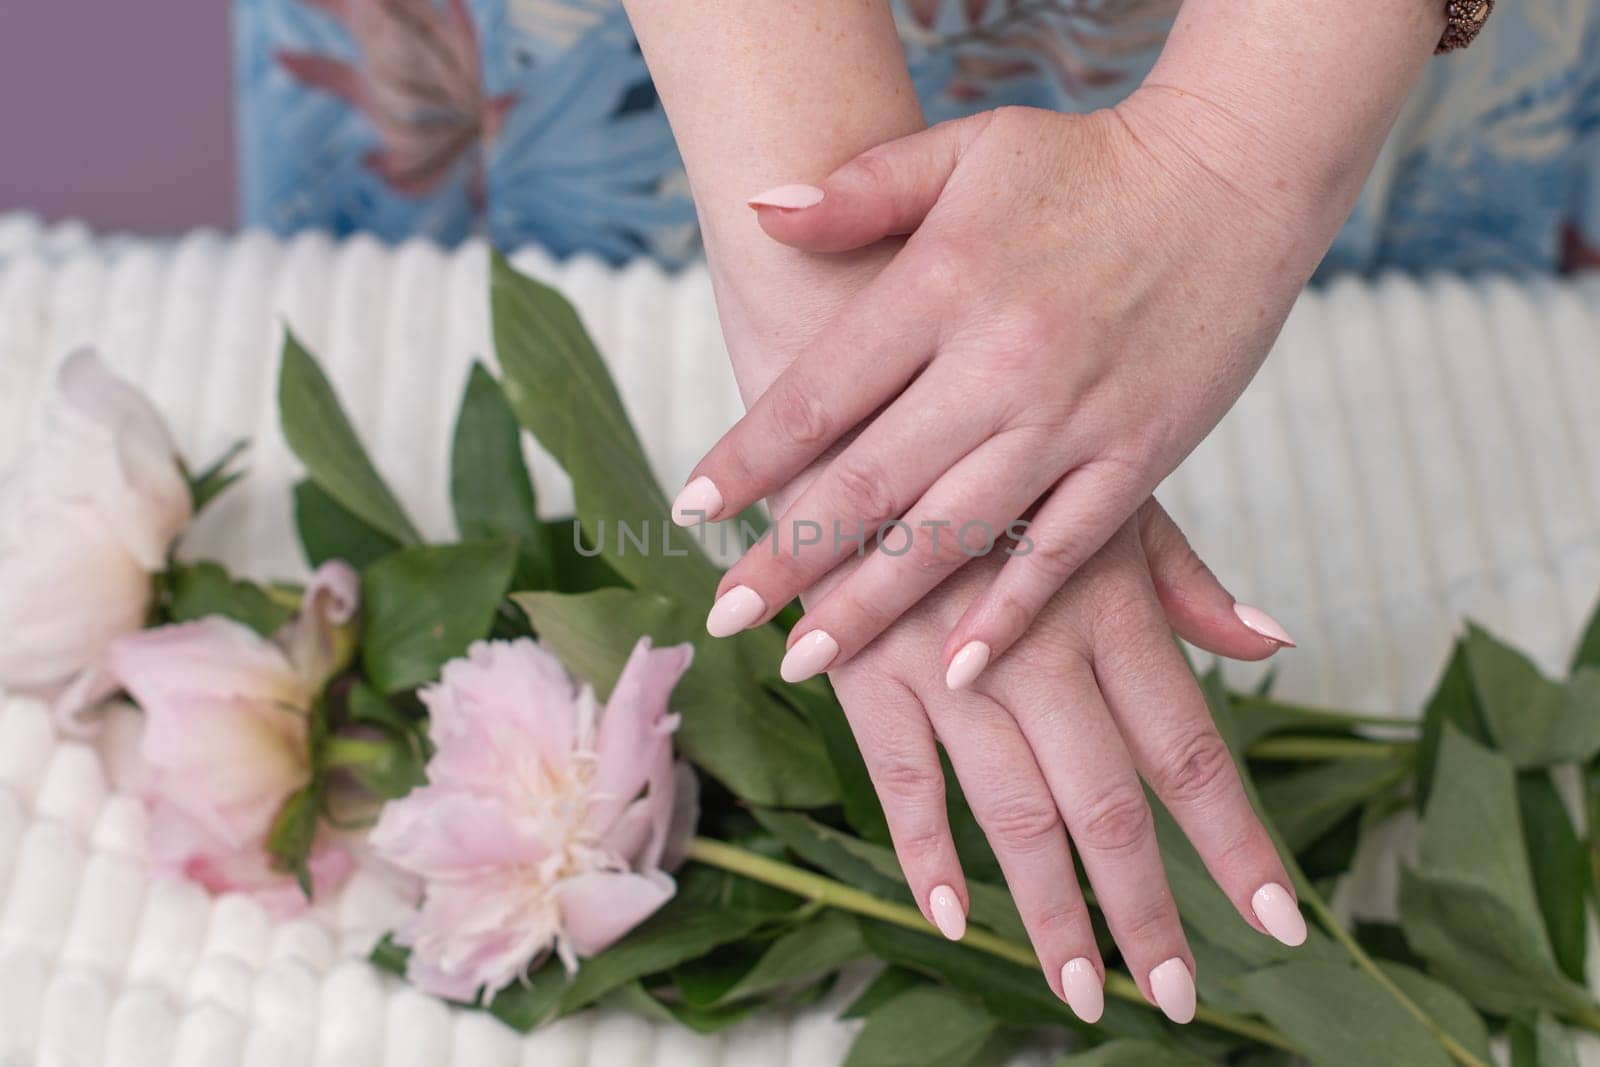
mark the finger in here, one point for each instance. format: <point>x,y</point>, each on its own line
<point>885,191</point>
<point>1167,727</point>
<point>1092,778</point>
<point>862,361</point>
<point>961,517</point>
<point>1080,514</point>
<point>896,741</point>
<point>1013,806</point>
<point>1196,604</point>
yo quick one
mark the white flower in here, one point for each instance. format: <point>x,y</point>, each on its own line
<point>86,517</point>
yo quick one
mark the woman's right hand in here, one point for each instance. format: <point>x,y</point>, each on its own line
<point>1049,747</point>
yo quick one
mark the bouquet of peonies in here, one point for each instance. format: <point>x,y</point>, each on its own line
<point>595,803</point>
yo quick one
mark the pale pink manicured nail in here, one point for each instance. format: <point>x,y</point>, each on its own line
<point>1280,914</point>
<point>699,501</point>
<point>1085,995</point>
<point>1173,987</point>
<point>735,610</point>
<point>1263,624</point>
<point>947,913</point>
<point>967,665</point>
<point>810,655</point>
<point>788,197</point>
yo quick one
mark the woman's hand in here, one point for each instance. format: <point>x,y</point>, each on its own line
<point>1049,748</point>
<point>1081,300</point>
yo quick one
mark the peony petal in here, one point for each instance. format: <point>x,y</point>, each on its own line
<point>312,639</point>
<point>598,909</point>
<point>634,745</point>
<point>435,832</point>
<point>214,658</point>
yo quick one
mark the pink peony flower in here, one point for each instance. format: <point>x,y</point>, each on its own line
<point>545,824</point>
<point>85,518</point>
<point>226,736</point>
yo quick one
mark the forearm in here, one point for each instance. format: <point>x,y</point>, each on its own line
<point>1304,93</point>
<point>762,93</point>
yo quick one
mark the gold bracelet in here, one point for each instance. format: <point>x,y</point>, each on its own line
<point>1463,20</point>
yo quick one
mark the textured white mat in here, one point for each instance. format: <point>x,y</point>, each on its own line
<point>1413,452</point>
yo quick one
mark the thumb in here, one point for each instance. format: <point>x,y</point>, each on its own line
<point>883,192</point>
<point>1197,606</point>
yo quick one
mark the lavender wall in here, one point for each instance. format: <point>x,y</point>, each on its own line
<point>120,114</point>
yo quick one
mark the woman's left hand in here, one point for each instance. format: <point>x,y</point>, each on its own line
<point>1080,301</point>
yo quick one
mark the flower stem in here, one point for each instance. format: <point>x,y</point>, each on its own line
<point>1311,749</point>
<point>342,752</point>
<point>1329,716</point>
<point>830,893</point>
<point>1310,898</point>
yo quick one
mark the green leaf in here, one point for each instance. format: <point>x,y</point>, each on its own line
<point>1560,864</point>
<point>320,434</point>
<point>1338,1015</point>
<point>1541,1042</point>
<point>423,606</point>
<point>203,589</point>
<point>1454,1013</point>
<point>528,1004</point>
<point>1452,703</point>
<point>805,954</point>
<point>576,570</point>
<point>923,1027</point>
<point>890,983</point>
<point>876,869</point>
<point>1308,802</point>
<point>294,830</point>
<point>732,728</point>
<point>1587,653</point>
<point>816,702</point>
<point>490,487</point>
<point>1532,719</point>
<point>1469,906</point>
<point>216,479</point>
<point>1132,1053</point>
<point>687,927</point>
<point>327,531</point>
<point>560,389</point>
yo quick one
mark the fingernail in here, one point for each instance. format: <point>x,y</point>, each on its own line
<point>699,501</point>
<point>1085,995</point>
<point>788,197</point>
<point>947,913</point>
<point>1280,914</point>
<point>735,610</point>
<point>1173,987</point>
<point>967,665</point>
<point>810,655</point>
<point>1263,624</point>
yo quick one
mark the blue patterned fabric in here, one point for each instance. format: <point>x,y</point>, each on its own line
<point>535,121</point>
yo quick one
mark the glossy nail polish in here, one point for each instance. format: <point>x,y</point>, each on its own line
<point>700,501</point>
<point>1280,914</point>
<point>1173,987</point>
<point>1086,996</point>
<point>947,913</point>
<point>967,665</point>
<point>1263,624</point>
<point>809,656</point>
<point>788,197</point>
<point>737,609</point>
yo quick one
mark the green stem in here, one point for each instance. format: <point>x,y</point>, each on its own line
<point>1311,899</point>
<point>1330,716</point>
<point>1312,749</point>
<point>342,752</point>
<point>834,894</point>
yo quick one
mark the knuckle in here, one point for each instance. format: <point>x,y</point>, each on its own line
<point>800,415</point>
<point>942,267</point>
<point>862,489</point>
<point>1022,825</point>
<point>873,171</point>
<point>1056,556</point>
<point>1153,920</point>
<point>1067,919</point>
<point>909,782</point>
<point>1116,823</point>
<point>1196,769</point>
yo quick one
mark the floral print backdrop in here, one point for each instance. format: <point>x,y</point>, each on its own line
<point>535,121</point>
